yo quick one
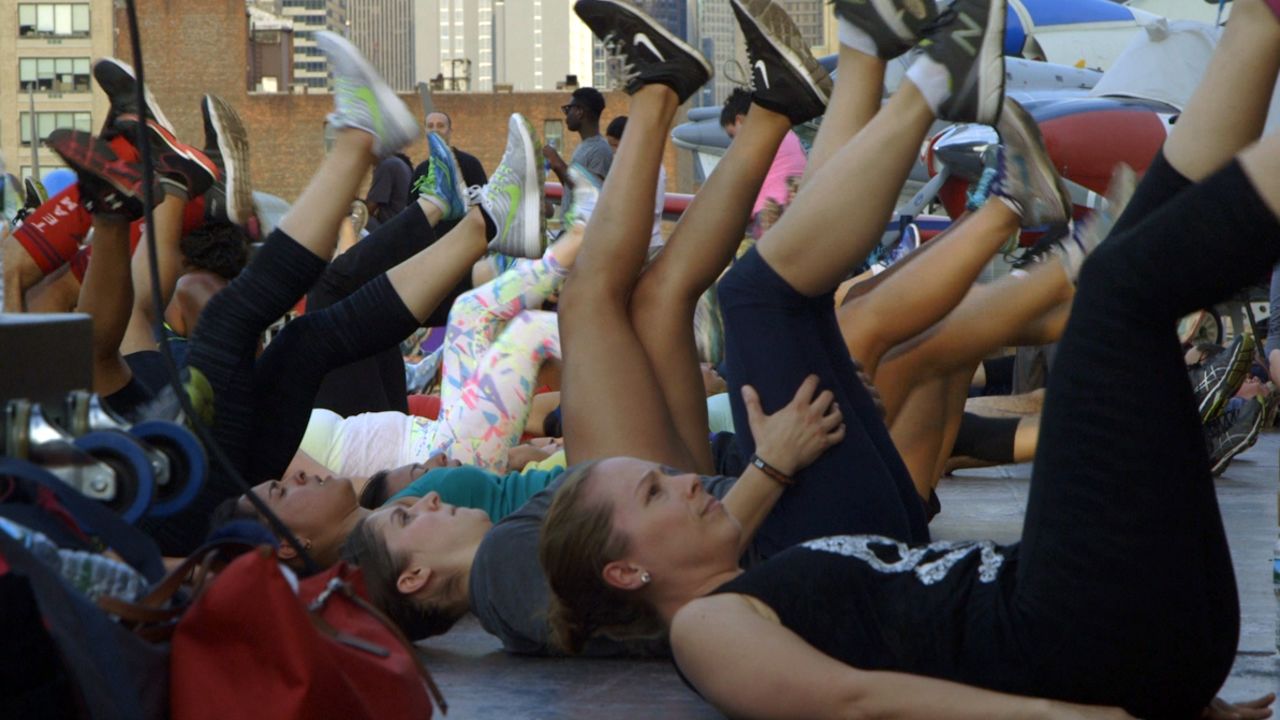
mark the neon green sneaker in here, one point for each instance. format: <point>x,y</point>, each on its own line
<point>513,197</point>
<point>363,100</point>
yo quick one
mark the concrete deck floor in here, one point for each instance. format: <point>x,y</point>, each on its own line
<point>480,681</point>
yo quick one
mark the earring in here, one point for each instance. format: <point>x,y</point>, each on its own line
<point>645,577</point>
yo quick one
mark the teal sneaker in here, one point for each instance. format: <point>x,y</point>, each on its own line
<point>363,100</point>
<point>513,197</point>
<point>582,198</point>
<point>442,183</point>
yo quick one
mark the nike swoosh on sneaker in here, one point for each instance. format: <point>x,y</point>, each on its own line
<point>643,39</point>
<point>764,73</point>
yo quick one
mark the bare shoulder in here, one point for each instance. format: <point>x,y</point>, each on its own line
<point>713,614</point>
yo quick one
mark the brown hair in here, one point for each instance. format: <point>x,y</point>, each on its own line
<point>577,541</point>
<point>418,619</point>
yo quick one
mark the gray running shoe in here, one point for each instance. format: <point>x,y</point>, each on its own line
<point>1218,378</point>
<point>513,197</point>
<point>968,41</point>
<point>363,100</point>
<point>1026,178</point>
<point>784,74</point>
<point>1234,432</point>
<point>894,25</point>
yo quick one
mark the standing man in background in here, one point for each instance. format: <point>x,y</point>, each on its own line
<point>582,115</point>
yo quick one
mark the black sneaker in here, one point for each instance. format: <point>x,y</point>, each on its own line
<point>35,195</point>
<point>226,143</point>
<point>1219,377</point>
<point>1234,432</point>
<point>119,83</point>
<point>184,171</point>
<point>110,186</point>
<point>784,74</point>
<point>968,41</point>
<point>894,25</point>
<point>651,54</point>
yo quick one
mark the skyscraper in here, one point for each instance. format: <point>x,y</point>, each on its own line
<point>809,16</point>
<point>384,31</point>
<point>673,14</point>
<point>310,69</point>
<point>468,45</point>
<point>714,31</point>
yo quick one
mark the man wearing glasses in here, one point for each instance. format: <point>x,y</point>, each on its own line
<point>582,115</point>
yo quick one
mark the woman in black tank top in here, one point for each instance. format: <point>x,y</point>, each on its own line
<point>1120,600</point>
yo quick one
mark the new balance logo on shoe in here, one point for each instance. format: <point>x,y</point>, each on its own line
<point>643,39</point>
<point>764,74</point>
<point>970,30</point>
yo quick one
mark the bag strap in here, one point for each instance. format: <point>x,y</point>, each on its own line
<point>341,587</point>
<point>137,549</point>
<point>196,569</point>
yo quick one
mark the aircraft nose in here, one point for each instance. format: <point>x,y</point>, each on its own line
<point>961,148</point>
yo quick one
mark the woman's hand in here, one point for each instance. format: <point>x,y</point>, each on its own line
<point>1220,709</point>
<point>798,433</point>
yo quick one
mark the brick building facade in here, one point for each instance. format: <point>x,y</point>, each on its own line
<point>191,47</point>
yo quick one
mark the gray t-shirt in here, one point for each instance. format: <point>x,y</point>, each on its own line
<point>595,155</point>
<point>510,595</point>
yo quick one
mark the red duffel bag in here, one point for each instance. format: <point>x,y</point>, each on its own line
<point>250,647</point>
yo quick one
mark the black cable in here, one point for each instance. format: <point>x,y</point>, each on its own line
<point>202,432</point>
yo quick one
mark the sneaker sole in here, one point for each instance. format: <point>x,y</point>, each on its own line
<point>797,65</point>
<point>990,76</point>
<point>532,208</point>
<point>1217,397</point>
<point>657,27</point>
<point>233,146</point>
<point>1247,442</point>
<point>152,106</point>
<point>397,122</point>
<point>1029,137</point>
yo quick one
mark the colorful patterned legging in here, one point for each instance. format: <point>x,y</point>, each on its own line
<point>493,348</point>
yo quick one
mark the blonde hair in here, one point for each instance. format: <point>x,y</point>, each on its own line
<point>577,542</point>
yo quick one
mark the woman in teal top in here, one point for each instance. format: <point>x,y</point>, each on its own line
<point>471,487</point>
<point>321,511</point>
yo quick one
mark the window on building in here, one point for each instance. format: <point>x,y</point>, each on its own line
<point>47,122</point>
<point>62,75</point>
<point>53,20</point>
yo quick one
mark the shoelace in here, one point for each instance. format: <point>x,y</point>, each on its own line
<point>613,45</point>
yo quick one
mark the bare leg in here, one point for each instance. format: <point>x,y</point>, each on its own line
<point>106,296</point>
<point>855,99</point>
<point>605,366</point>
<point>58,292</point>
<point>986,319</point>
<point>168,233</point>
<point>1228,110</point>
<point>426,279</point>
<point>20,274</point>
<point>803,248</point>
<point>313,219</point>
<point>662,306</point>
<point>906,304</point>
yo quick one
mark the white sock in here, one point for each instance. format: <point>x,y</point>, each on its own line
<point>854,37</point>
<point>932,79</point>
<point>444,207</point>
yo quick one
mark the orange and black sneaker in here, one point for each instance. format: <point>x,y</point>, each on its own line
<point>110,185</point>
<point>184,171</point>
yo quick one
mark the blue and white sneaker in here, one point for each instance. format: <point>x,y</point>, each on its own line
<point>582,198</point>
<point>442,184</point>
<point>513,197</point>
<point>363,100</point>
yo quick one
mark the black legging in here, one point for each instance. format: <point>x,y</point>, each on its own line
<point>261,405</point>
<point>1124,591</point>
<point>375,383</point>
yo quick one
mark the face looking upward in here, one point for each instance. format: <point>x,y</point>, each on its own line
<point>672,524</point>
